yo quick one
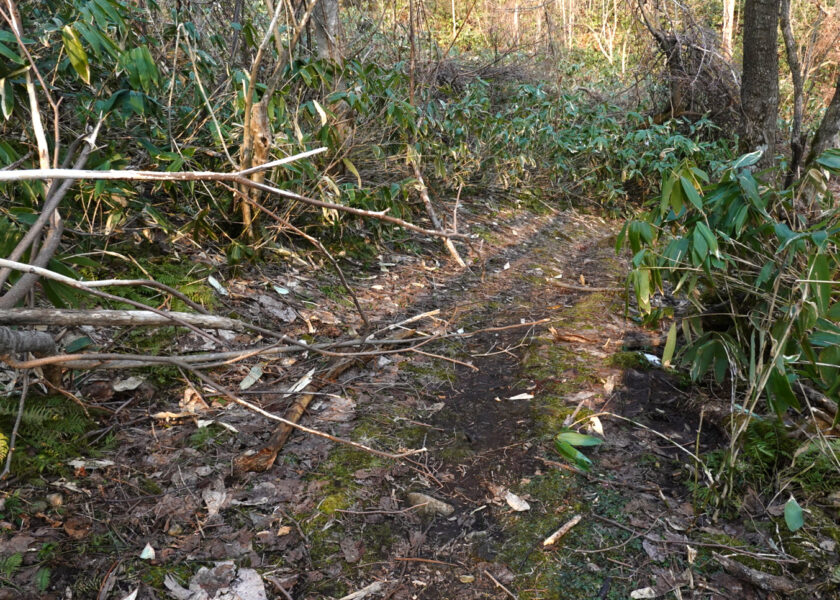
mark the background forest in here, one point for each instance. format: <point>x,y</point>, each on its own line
<point>155,154</point>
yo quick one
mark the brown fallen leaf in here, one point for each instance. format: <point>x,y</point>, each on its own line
<point>77,527</point>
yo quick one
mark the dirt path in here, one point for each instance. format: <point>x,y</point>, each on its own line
<point>329,521</point>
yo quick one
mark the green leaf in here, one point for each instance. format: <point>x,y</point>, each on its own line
<point>11,55</point>
<point>794,516</point>
<point>42,579</point>
<point>574,438</point>
<point>711,240</point>
<point>830,159</point>
<point>77,54</point>
<point>80,343</point>
<point>571,453</point>
<point>747,160</point>
<point>10,564</point>
<point>691,193</point>
<point>780,393</point>
<point>641,284</point>
<point>699,246</point>
<point>352,168</point>
<point>750,189</point>
<point>820,271</point>
<point>670,345</point>
<point>830,365</point>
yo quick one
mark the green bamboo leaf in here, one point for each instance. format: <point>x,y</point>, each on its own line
<point>780,393</point>
<point>691,193</point>
<point>574,438</point>
<point>352,168</point>
<point>830,159</point>
<point>10,54</point>
<point>571,453</point>
<point>77,54</point>
<point>670,346</point>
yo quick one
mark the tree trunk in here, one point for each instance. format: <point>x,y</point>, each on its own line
<point>727,28</point>
<point>327,30</point>
<point>828,134</point>
<point>760,80</point>
<point>797,138</point>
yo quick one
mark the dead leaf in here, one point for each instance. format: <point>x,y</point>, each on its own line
<point>128,384</point>
<point>352,549</point>
<point>516,503</point>
<point>77,527</point>
<point>339,410</point>
<point>276,308</point>
<point>428,505</point>
<point>192,401</point>
<point>215,501</point>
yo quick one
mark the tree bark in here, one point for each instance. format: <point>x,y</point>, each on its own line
<point>797,138</point>
<point>327,30</point>
<point>727,28</point>
<point>13,341</point>
<point>760,80</point>
<point>828,134</point>
<point>112,318</point>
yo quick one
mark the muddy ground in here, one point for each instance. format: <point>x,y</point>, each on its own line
<point>331,521</point>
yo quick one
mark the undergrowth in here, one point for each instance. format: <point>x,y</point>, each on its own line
<point>51,432</point>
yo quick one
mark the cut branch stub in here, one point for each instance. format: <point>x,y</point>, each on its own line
<point>13,341</point>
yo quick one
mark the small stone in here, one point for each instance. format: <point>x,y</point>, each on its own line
<point>828,545</point>
<point>431,506</point>
<point>55,500</point>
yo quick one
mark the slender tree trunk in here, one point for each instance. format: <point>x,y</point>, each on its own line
<point>516,22</point>
<point>828,134</point>
<point>412,61</point>
<point>797,138</point>
<point>727,28</point>
<point>327,30</point>
<point>760,80</point>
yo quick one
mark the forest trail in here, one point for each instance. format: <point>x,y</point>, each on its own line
<point>328,521</point>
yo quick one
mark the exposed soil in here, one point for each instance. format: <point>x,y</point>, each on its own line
<point>329,520</point>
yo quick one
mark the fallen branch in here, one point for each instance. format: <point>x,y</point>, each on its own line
<point>555,537</point>
<point>233,398</point>
<point>499,584</point>
<point>427,202</point>
<point>13,341</point>
<point>111,318</point>
<point>95,360</point>
<point>765,581</point>
<point>584,288</point>
<point>373,588</point>
<point>238,177</point>
<point>89,287</point>
<point>264,458</point>
<point>317,243</point>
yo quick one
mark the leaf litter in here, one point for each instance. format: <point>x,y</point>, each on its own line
<point>329,522</point>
